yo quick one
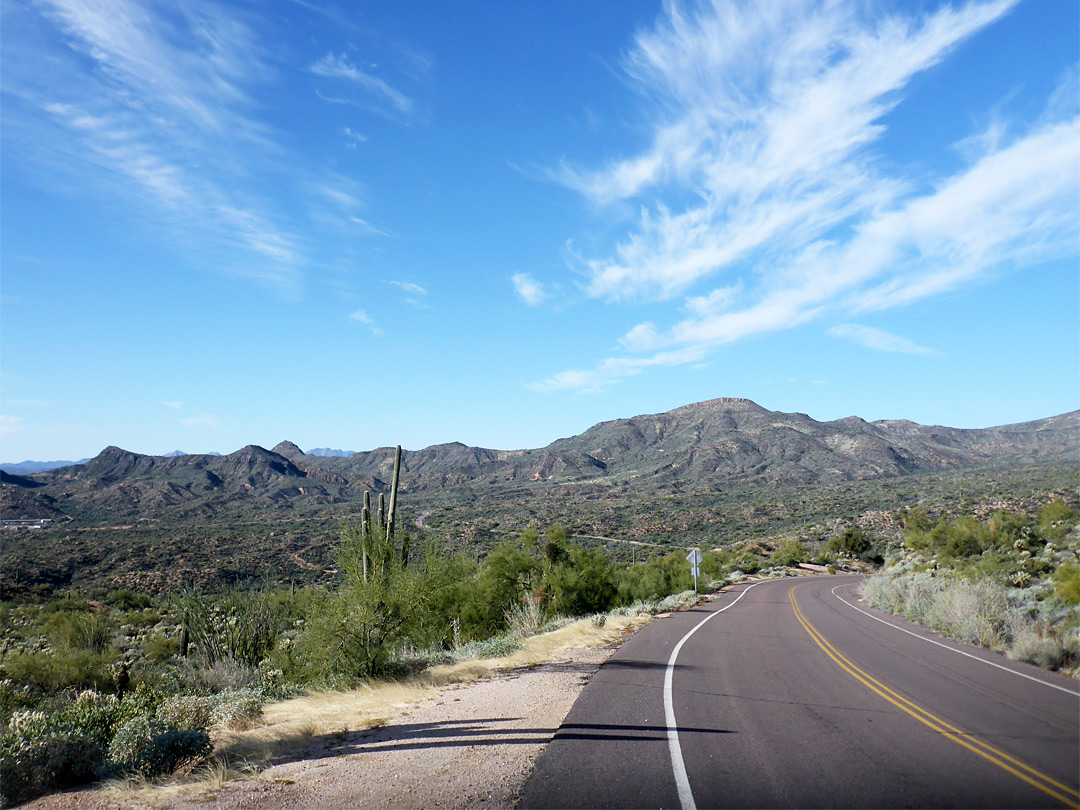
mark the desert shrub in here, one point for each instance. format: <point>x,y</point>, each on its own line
<point>15,697</point>
<point>1054,649</point>
<point>81,631</point>
<point>789,552</point>
<point>678,601</point>
<point>67,603</point>
<point>93,714</point>
<point>852,543</point>
<point>663,576</point>
<point>124,599</point>
<point>160,646</point>
<point>169,750</point>
<point>1055,519</point>
<point>186,712</point>
<point>977,613</point>
<point>63,668</point>
<point>236,707</point>
<point>583,583</point>
<point>359,631</point>
<point>526,619</point>
<point>39,755</point>
<point>747,563</point>
<point>1067,583</point>
<point>508,573</point>
<point>495,647</point>
<point>133,736</point>
<point>240,625</point>
<point>1017,622</point>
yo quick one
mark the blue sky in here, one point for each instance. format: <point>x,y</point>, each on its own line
<point>236,223</point>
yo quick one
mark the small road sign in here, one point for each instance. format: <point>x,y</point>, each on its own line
<point>694,558</point>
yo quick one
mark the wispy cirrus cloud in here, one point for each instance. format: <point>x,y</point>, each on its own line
<point>158,108</point>
<point>174,404</point>
<point>10,424</point>
<point>414,293</point>
<point>202,420</point>
<point>766,119</point>
<point>380,93</point>
<point>878,339</point>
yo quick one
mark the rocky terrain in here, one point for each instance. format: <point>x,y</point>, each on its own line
<point>720,471</point>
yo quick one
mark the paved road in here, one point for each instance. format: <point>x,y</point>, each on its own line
<point>792,693</point>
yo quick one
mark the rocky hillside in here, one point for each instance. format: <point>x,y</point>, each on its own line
<point>722,443</point>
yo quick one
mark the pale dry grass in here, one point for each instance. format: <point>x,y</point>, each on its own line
<point>297,723</point>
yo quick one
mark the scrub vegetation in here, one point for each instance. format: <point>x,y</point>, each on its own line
<point>134,685</point>
<point>1010,582</point>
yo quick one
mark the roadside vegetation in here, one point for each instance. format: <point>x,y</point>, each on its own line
<point>1010,583</point>
<point>132,685</point>
<point>128,685</point>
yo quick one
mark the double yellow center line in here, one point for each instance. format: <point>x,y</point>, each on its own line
<point>1063,793</point>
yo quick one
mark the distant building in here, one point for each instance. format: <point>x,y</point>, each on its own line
<point>37,523</point>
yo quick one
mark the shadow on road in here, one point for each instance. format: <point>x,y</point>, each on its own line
<point>467,733</point>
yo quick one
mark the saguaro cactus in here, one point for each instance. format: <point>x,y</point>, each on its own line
<point>365,536</point>
<point>393,493</point>
<point>184,635</point>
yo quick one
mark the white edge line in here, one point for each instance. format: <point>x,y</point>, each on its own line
<point>686,797</point>
<point>951,649</point>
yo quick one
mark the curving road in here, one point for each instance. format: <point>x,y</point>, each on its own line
<point>792,693</point>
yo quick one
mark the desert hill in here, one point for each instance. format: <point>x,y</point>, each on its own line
<point>721,443</point>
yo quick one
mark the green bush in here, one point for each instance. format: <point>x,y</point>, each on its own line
<point>132,737</point>
<point>81,631</point>
<point>169,750</point>
<point>39,755</point>
<point>1067,583</point>
<point>582,583</point>
<point>59,669</point>
<point>239,625</point>
<point>160,646</point>
<point>124,599</point>
<point>93,714</point>
<point>789,552</point>
<point>852,543</point>
<point>186,712</point>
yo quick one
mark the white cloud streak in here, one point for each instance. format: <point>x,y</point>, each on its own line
<point>158,108</point>
<point>10,424</point>
<point>878,339</point>
<point>766,118</point>
<point>410,287</point>
<point>202,420</point>
<point>339,67</point>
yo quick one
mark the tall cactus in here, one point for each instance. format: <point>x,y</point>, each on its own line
<point>365,536</point>
<point>393,493</point>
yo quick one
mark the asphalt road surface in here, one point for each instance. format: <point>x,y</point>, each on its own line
<point>793,693</point>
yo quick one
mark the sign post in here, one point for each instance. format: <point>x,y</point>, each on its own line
<point>694,558</point>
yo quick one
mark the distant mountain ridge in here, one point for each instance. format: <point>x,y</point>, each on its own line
<point>721,443</point>
<point>31,467</point>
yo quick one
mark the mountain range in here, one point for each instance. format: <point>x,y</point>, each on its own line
<point>704,447</point>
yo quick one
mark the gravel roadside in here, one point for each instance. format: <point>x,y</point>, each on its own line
<point>471,745</point>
